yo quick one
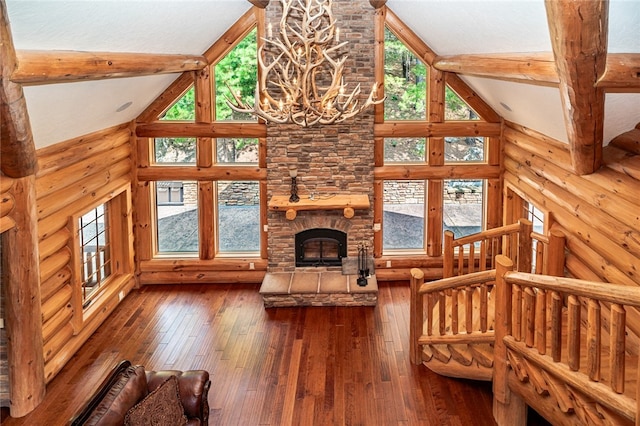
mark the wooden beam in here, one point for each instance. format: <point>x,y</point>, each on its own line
<point>622,72</point>
<point>46,67</point>
<point>377,4</point>
<point>168,129</point>
<point>622,69</point>
<point>414,129</point>
<point>17,149</point>
<point>535,68</point>
<point>578,32</point>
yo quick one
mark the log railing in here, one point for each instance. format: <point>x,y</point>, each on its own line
<point>477,252</point>
<point>540,321</point>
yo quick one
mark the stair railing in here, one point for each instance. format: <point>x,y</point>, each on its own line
<point>529,341</point>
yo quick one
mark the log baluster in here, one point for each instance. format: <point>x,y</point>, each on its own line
<point>529,316</point>
<point>556,326</point>
<point>468,307</point>
<point>472,258</point>
<point>454,311</point>
<point>483,255</point>
<point>460,260</point>
<point>431,303</point>
<point>517,313</point>
<point>593,340</point>
<point>524,245</point>
<point>484,307</point>
<point>573,333</point>
<point>442,314</point>
<point>447,260</point>
<point>541,321</point>
<point>617,347</point>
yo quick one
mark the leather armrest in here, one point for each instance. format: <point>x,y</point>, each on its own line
<point>194,390</point>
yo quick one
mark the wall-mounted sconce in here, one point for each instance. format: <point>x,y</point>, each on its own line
<point>293,172</point>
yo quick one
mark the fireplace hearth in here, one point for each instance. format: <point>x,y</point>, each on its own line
<point>320,247</point>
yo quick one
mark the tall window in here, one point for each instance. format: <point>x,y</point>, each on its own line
<point>238,216</point>
<point>405,81</point>
<point>177,216</point>
<point>463,207</point>
<point>95,246</point>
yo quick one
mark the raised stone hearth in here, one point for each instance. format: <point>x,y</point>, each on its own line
<point>326,288</point>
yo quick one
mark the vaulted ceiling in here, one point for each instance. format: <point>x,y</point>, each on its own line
<point>450,27</point>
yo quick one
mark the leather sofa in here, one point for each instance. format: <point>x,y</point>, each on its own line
<point>128,387</point>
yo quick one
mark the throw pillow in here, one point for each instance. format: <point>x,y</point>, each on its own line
<point>162,407</point>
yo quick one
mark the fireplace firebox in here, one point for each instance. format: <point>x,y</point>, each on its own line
<point>320,247</point>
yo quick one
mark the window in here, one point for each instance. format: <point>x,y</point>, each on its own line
<point>405,81</point>
<point>93,235</point>
<point>464,149</point>
<point>536,216</point>
<point>403,215</point>
<point>177,222</point>
<point>237,150</point>
<point>456,109</point>
<point>174,150</point>
<point>404,150</point>
<point>237,71</point>
<point>184,108</point>
<point>238,216</point>
<point>463,207</point>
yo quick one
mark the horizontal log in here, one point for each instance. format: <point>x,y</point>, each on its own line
<point>412,129</point>
<point>622,72</point>
<point>538,144</point>
<point>62,199</point>
<point>56,303</point>
<point>195,265</point>
<point>59,320</point>
<point>46,67</point>
<point>52,264</point>
<point>57,342</point>
<point>51,286</point>
<point>218,172</point>
<point>629,141</point>
<point>64,154</point>
<point>418,171</point>
<point>473,338</point>
<point>54,243</point>
<point>194,277</point>
<point>167,129</point>
<point>53,223</point>
<point>404,274</point>
<point>629,166</point>
<point>489,233</point>
<point>472,279</point>
<point>535,68</point>
<point>423,262</point>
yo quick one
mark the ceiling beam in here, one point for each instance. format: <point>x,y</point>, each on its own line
<point>578,32</point>
<point>46,67</point>
<point>622,70</point>
<point>17,148</point>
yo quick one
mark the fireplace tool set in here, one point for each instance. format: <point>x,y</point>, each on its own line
<point>363,268</point>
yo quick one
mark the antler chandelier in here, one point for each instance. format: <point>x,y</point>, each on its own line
<point>304,71</point>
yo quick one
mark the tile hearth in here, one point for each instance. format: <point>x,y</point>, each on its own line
<point>326,288</point>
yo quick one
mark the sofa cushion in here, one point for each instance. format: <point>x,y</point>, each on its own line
<point>161,407</point>
<point>128,389</point>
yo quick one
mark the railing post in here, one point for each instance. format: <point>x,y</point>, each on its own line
<point>416,316</point>
<point>508,409</point>
<point>447,258</point>
<point>555,256</point>
<point>525,246</point>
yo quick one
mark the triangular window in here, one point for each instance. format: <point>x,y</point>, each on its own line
<point>456,109</point>
<point>405,81</point>
<point>184,108</point>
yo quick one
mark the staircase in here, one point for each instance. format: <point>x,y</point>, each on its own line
<point>562,346</point>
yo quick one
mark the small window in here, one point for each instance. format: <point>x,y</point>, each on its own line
<point>463,208</point>
<point>95,247</point>
<point>237,150</point>
<point>469,149</point>
<point>455,109</point>
<point>174,150</point>
<point>177,216</point>
<point>404,150</point>
<point>403,215</point>
<point>183,109</point>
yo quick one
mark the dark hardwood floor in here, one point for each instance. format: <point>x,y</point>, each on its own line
<point>285,366</point>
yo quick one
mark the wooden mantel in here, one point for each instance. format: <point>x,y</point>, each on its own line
<point>345,202</point>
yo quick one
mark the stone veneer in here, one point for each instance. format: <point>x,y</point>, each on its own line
<point>331,159</point>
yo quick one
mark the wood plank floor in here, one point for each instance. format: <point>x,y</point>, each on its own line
<point>280,366</point>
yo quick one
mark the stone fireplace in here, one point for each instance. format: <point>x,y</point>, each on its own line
<point>331,160</point>
<point>320,247</point>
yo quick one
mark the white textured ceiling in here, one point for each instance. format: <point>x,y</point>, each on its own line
<point>62,111</point>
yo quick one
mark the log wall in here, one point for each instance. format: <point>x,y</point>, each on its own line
<point>598,212</point>
<point>75,176</point>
